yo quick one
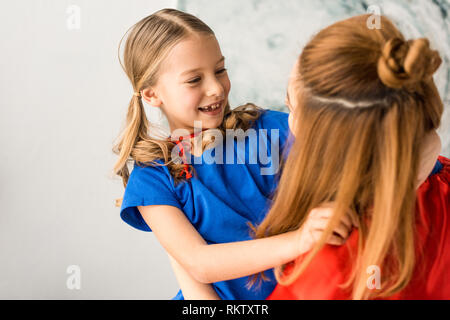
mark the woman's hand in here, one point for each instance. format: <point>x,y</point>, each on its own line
<point>316,223</point>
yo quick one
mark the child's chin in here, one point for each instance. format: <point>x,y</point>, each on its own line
<point>212,124</point>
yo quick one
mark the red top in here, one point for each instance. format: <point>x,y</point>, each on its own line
<point>431,280</point>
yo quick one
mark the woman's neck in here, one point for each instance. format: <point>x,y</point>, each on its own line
<point>431,148</point>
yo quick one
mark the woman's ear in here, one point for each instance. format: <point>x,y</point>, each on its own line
<point>151,97</point>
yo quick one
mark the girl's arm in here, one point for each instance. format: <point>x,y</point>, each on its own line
<point>191,288</point>
<point>219,262</point>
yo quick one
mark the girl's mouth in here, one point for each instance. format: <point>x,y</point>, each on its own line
<point>212,109</point>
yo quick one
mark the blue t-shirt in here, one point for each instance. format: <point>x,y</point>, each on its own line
<point>221,198</point>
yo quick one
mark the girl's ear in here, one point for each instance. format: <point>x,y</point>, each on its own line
<point>150,96</point>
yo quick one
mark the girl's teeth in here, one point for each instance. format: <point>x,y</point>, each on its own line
<point>210,108</point>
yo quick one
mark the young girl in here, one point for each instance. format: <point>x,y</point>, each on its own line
<point>364,114</point>
<point>200,211</point>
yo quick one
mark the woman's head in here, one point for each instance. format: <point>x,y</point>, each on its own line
<point>363,102</point>
<point>351,66</point>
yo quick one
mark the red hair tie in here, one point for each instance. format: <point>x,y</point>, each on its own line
<point>183,156</point>
<point>179,143</point>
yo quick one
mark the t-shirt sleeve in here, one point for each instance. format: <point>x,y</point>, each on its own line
<point>150,185</point>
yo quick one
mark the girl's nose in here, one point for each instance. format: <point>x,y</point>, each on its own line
<point>214,88</point>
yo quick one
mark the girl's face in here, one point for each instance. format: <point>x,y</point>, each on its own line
<point>193,84</point>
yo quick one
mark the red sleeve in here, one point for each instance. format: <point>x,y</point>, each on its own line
<point>433,206</point>
<point>332,265</point>
<point>322,278</point>
<point>433,200</point>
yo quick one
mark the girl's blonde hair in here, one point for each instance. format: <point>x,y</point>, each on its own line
<point>365,101</point>
<point>147,44</point>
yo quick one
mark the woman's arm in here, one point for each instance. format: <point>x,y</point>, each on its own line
<point>191,288</point>
<point>219,262</point>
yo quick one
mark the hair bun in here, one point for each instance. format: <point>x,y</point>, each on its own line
<point>404,63</point>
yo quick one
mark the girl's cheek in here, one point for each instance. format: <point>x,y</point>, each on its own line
<point>191,98</point>
<point>227,85</point>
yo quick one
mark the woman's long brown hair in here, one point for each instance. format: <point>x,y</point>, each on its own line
<point>365,100</point>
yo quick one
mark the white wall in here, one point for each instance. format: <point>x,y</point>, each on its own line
<point>63,99</point>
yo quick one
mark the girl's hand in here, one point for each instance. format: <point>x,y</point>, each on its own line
<point>317,222</point>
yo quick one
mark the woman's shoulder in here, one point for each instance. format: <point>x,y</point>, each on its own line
<point>439,179</point>
<point>444,170</point>
<point>433,197</point>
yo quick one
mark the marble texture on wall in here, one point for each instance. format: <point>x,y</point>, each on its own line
<point>261,39</point>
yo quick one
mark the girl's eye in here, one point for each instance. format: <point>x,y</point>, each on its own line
<point>195,80</point>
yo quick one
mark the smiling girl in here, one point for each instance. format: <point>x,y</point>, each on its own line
<point>200,212</point>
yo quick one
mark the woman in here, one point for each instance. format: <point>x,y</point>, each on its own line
<point>364,112</point>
